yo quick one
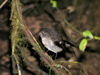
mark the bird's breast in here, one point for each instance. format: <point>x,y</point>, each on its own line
<point>49,44</point>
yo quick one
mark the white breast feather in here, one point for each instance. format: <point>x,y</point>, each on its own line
<point>50,45</point>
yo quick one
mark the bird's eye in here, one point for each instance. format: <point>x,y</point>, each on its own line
<point>42,33</point>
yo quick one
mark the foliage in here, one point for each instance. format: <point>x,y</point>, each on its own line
<point>86,34</point>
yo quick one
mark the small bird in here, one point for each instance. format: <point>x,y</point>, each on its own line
<point>51,39</point>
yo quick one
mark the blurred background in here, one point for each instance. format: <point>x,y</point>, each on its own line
<point>81,14</point>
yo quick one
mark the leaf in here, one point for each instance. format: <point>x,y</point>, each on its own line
<point>88,34</point>
<point>96,37</point>
<point>54,3</point>
<point>57,65</point>
<point>83,44</point>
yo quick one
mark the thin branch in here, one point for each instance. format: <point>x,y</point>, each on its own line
<point>67,21</point>
<point>3,4</point>
<point>25,59</point>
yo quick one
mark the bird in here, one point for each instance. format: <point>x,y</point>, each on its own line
<point>52,40</point>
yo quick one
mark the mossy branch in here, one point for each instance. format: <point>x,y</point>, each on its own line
<point>18,23</point>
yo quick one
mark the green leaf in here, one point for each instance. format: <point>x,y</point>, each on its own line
<point>51,1</point>
<point>83,44</point>
<point>88,34</point>
<point>54,3</point>
<point>96,37</point>
<point>57,65</point>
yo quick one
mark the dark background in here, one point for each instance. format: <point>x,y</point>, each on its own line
<point>81,14</point>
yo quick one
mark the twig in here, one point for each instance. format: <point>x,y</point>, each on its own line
<point>25,59</point>
<point>67,21</point>
<point>3,4</point>
<point>66,69</point>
